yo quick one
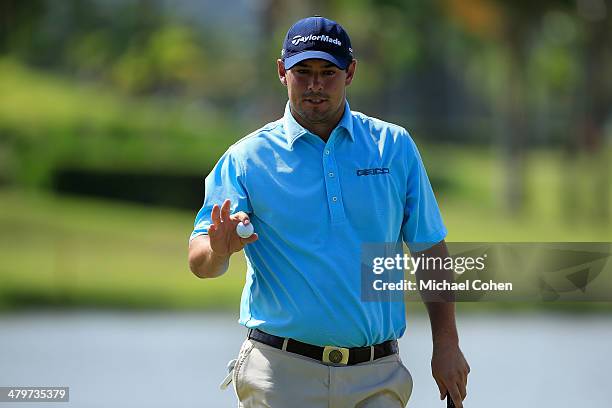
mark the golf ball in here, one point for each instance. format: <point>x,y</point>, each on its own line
<point>244,231</point>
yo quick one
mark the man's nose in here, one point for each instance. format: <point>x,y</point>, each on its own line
<point>315,82</point>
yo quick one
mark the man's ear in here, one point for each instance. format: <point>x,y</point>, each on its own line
<point>282,72</point>
<point>350,72</point>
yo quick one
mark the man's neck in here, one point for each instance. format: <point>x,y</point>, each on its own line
<point>323,130</point>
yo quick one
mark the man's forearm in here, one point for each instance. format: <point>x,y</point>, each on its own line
<point>442,310</point>
<point>443,326</point>
<point>203,262</point>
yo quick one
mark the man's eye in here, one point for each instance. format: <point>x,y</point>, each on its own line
<point>302,71</point>
<point>329,73</point>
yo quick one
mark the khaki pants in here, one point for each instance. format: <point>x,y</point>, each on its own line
<point>267,377</point>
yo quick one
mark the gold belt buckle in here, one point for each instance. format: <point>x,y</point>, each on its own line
<point>335,355</point>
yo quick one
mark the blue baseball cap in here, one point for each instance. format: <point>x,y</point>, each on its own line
<point>317,37</point>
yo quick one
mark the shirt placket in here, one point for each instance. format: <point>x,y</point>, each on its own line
<point>332,181</point>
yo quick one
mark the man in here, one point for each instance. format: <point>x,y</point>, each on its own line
<point>316,185</point>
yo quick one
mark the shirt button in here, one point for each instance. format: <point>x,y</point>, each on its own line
<point>326,151</point>
<point>331,174</point>
<point>334,199</point>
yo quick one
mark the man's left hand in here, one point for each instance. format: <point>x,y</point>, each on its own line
<point>450,370</point>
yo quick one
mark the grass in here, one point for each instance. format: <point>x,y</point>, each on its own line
<point>68,251</point>
<point>469,186</point>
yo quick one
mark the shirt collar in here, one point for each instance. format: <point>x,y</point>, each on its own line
<point>293,130</point>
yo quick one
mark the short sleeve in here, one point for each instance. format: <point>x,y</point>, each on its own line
<point>225,181</point>
<point>422,225</point>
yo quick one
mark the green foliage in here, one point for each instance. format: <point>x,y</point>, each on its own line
<point>170,58</point>
<point>554,63</point>
<point>48,123</point>
<point>90,53</point>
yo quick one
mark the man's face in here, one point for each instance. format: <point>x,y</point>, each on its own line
<point>317,89</point>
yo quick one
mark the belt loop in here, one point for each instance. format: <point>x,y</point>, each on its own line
<point>371,353</point>
<point>285,343</point>
<point>249,332</point>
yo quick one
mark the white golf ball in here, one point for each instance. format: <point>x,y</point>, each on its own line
<point>244,231</point>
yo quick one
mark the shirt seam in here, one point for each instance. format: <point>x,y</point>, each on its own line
<point>267,128</point>
<point>441,231</point>
<point>243,173</point>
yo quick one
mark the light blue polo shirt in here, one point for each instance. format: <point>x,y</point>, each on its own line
<point>313,205</point>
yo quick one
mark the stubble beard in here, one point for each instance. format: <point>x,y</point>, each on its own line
<point>316,116</point>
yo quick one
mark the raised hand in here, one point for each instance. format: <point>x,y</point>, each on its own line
<point>224,240</point>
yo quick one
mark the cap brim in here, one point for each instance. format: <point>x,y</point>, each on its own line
<point>294,59</point>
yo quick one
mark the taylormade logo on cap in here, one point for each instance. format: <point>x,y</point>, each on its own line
<point>299,38</point>
<point>317,38</point>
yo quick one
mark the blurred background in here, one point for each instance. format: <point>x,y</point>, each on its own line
<point>113,112</point>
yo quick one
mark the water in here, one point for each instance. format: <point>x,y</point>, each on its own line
<point>177,360</point>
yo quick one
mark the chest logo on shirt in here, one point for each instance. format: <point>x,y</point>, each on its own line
<point>373,172</point>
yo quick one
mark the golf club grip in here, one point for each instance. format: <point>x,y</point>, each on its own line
<point>449,401</point>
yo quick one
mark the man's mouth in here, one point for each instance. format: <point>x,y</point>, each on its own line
<point>315,101</point>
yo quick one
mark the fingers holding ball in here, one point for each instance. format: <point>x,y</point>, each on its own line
<point>244,230</point>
